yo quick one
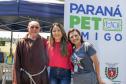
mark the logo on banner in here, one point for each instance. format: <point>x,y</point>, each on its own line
<point>112,24</point>
<point>111,71</point>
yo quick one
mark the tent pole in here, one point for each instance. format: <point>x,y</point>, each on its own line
<point>11,42</point>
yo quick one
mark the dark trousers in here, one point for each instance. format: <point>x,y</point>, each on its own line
<point>59,76</point>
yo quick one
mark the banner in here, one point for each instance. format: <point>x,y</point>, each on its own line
<point>102,23</point>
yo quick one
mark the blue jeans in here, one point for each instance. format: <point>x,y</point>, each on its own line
<point>60,76</point>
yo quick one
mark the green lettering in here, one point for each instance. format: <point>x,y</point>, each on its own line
<point>85,22</point>
<point>96,22</point>
<point>74,20</point>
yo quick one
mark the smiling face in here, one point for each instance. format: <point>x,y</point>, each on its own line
<point>75,38</point>
<point>33,28</point>
<point>56,33</point>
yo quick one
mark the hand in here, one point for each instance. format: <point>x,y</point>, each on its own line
<point>101,82</point>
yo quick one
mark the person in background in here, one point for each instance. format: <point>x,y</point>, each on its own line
<point>9,59</point>
<point>1,57</point>
<point>31,60</point>
<point>48,37</point>
<point>84,57</point>
<point>59,51</point>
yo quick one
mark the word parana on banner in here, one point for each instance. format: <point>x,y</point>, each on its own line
<point>99,10</point>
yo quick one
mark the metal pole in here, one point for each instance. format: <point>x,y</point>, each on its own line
<point>11,42</point>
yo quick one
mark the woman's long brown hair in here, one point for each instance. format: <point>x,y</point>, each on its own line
<point>64,40</point>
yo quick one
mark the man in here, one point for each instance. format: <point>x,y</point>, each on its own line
<point>30,60</point>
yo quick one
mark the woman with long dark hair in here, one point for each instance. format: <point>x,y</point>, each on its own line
<point>59,51</point>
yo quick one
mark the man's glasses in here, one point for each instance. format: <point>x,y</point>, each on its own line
<point>36,27</point>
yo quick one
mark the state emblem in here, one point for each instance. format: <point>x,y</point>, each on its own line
<point>111,72</point>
